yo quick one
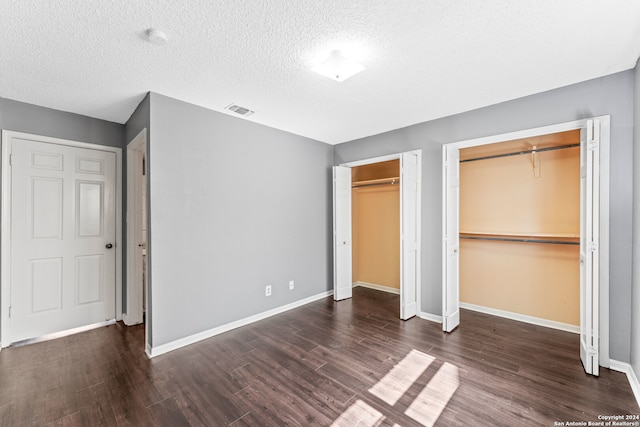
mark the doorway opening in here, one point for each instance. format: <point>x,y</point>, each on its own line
<point>377,227</point>
<point>137,275</point>
<point>520,229</point>
<point>574,249</point>
<point>375,198</point>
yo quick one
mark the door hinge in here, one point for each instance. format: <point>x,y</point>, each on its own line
<point>592,352</point>
<point>9,311</point>
<point>10,159</point>
<point>593,142</point>
<point>592,247</point>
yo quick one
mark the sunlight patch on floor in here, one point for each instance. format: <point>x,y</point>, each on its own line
<point>432,400</point>
<point>426,408</point>
<point>396,383</point>
<point>359,414</point>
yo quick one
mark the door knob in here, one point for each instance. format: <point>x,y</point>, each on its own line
<point>108,246</point>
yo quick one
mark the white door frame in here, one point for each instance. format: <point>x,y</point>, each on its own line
<point>5,226</point>
<point>136,149</point>
<point>603,326</point>
<point>397,156</point>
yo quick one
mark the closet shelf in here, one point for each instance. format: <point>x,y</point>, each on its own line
<point>557,238</point>
<point>371,182</point>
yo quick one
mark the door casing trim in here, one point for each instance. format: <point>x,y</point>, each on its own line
<point>398,156</point>
<point>134,291</point>
<point>5,221</point>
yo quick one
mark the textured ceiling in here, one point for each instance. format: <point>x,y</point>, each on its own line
<point>424,59</point>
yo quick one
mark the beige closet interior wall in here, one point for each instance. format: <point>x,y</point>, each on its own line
<point>502,197</point>
<point>376,225</point>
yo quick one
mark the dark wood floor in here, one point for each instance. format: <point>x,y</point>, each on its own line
<point>324,363</point>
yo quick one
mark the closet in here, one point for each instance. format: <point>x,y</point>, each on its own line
<point>520,229</point>
<point>375,222</point>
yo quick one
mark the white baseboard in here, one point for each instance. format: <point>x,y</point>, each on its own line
<point>182,342</point>
<point>377,287</point>
<point>430,317</point>
<point>522,318</point>
<point>626,368</point>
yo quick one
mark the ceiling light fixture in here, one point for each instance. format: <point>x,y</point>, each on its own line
<point>338,67</point>
<point>156,36</point>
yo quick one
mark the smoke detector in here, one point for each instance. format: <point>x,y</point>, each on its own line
<point>156,36</point>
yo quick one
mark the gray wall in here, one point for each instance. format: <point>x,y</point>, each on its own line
<point>608,95</point>
<point>234,206</point>
<point>140,119</point>
<point>635,300</point>
<point>22,117</point>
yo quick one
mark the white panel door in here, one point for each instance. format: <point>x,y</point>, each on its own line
<point>342,277</point>
<point>409,257</point>
<point>451,240</point>
<point>62,238</point>
<point>589,241</point>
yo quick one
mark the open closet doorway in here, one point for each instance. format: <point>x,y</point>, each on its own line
<point>136,230</point>
<point>375,212</point>
<point>540,224</point>
<point>367,183</point>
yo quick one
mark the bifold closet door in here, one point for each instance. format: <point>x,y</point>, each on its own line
<point>409,253</point>
<point>342,276</point>
<point>589,252</point>
<point>451,239</point>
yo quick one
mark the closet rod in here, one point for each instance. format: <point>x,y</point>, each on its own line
<point>394,182</point>
<point>521,240</point>
<point>519,153</point>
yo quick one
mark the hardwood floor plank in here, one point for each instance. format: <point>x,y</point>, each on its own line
<point>295,352</point>
<point>276,411</point>
<point>304,404</point>
<point>315,365</point>
<point>72,420</point>
<point>324,389</point>
<point>207,397</point>
<point>95,407</point>
<point>168,413</point>
<point>127,398</point>
<point>249,420</point>
<point>7,414</point>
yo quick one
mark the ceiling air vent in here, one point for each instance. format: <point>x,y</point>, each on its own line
<point>239,110</point>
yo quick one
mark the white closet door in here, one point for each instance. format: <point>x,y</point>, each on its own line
<point>62,238</point>
<point>342,277</point>
<point>451,240</point>
<point>589,240</point>
<point>409,257</point>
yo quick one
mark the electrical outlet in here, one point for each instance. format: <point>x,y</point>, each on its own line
<point>267,290</point>
<point>291,285</point>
